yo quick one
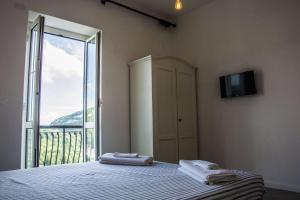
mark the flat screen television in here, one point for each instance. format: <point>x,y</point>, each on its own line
<point>240,84</point>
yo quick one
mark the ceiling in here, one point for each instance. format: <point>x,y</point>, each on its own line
<point>164,8</point>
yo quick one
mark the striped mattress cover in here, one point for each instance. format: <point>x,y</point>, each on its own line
<point>99,181</point>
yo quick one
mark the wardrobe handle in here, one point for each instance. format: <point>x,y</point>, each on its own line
<point>179,119</point>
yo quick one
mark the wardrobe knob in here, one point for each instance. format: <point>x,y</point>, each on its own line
<point>179,119</point>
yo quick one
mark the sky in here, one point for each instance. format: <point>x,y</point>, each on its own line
<point>62,78</point>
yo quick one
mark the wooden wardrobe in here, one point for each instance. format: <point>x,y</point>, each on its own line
<point>163,109</point>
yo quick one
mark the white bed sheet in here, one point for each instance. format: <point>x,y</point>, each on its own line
<point>99,181</point>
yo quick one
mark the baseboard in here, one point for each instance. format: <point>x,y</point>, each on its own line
<point>280,186</point>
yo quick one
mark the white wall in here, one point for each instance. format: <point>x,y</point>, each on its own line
<point>262,132</point>
<point>126,36</point>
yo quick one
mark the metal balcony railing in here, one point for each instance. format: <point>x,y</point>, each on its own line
<point>60,145</point>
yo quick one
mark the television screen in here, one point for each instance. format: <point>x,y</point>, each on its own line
<point>240,84</point>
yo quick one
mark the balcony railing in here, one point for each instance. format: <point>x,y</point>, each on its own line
<point>60,145</point>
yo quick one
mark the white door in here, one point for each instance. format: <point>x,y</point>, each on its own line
<point>32,102</point>
<point>91,98</point>
<point>165,114</point>
<point>187,113</point>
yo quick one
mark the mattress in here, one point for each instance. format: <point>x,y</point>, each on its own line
<point>99,181</point>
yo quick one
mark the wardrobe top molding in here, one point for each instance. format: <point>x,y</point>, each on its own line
<point>161,58</point>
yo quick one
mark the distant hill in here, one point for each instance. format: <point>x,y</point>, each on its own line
<point>74,119</point>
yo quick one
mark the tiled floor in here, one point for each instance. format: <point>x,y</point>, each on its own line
<point>272,194</point>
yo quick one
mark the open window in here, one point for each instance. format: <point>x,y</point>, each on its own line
<point>72,133</point>
<point>91,100</point>
<point>33,92</point>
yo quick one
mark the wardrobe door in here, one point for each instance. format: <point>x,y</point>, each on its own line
<point>165,114</point>
<point>187,113</point>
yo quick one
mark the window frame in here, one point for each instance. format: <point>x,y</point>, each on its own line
<point>70,35</point>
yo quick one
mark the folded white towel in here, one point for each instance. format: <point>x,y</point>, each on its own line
<point>204,175</point>
<point>199,177</point>
<point>109,158</point>
<point>126,155</point>
<point>205,164</point>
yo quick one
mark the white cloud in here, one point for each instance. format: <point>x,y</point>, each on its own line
<point>59,64</point>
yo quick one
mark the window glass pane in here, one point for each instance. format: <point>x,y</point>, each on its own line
<point>29,148</point>
<point>91,81</point>
<point>31,72</point>
<point>90,144</point>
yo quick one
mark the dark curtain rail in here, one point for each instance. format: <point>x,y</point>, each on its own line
<point>161,21</point>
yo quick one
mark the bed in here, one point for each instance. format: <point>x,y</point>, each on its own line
<point>99,181</point>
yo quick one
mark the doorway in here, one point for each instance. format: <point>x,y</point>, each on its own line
<point>62,95</point>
